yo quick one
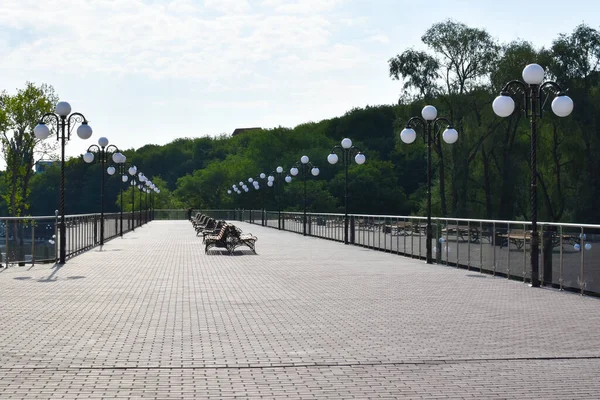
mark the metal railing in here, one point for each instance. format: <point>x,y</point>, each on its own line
<point>570,254</point>
<point>30,240</point>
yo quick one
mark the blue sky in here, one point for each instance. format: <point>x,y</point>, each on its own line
<point>151,71</point>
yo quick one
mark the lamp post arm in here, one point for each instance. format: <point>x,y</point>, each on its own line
<point>336,147</point>
<point>356,150</point>
<point>94,147</point>
<point>112,149</point>
<point>548,85</point>
<point>525,88</point>
<point>436,131</point>
<point>416,121</point>
<point>49,116</point>
<point>72,120</point>
<point>308,166</point>
<point>514,82</point>
<point>553,85</point>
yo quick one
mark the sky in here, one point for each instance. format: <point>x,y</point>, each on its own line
<point>151,71</point>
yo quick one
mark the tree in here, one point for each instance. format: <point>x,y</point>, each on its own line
<point>20,114</point>
<point>460,65</point>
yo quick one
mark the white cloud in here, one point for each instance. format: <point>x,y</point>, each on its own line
<point>174,38</point>
<point>381,38</point>
<point>227,6</point>
<point>301,6</point>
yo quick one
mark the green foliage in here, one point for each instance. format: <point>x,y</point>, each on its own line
<point>484,175</point>
<point>19,114</point>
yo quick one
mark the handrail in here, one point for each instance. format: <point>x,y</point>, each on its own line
<point>32,239</point>
<point>497,247</point>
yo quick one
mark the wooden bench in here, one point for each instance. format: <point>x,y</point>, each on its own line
<point>212,231</point>
<point>241,239</point>
<point>209,226</point>
<point>199,219</point>
<point>209,223</point>
<point>520,238</point>
<point>220,240</point>
<point>463,233</point>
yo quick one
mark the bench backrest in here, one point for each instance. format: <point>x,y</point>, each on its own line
<point>222,233</point>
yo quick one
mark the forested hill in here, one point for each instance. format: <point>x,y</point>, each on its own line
<point>485,174</point>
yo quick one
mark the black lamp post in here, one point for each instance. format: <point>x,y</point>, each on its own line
<point>263,177</point>
<point>303,167</point>
<point>276,179</point>
<point>347,150</point>
<point>124,178</point>
<point>140,186</point>
<point>103,148</point>
<point>255,183</point>
<point>148,183</point>
<point>133,171</point>
<point>150,187</point>
<point>238,191</point>
<point>408,135</point>
<point>155,191</point>
<point>65,121</point>
<point>504,106</point>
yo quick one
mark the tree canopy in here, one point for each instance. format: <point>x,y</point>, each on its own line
<point>485,174</point>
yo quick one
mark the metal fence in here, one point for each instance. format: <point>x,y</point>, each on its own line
<point>30,240</point>
<point>569,253</point>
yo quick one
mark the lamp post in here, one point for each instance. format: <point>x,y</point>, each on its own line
<point>102,149</point>
<point>124,178</point>
<point>140,186</point>
<point>65,121</point>
<point>408,135</point>
<point>303,168</point>
<point>156,193</point>
<point>346,150</point>
<point>151,190</point>
<point>256,184</point>
<point>238,191</point>
<point>276,179</point>
<point>263,177</point>
<point>148,184</point>
<point>504,106</point>
<point>133,171</point>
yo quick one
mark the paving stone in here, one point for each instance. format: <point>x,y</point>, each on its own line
<point>151,316</point>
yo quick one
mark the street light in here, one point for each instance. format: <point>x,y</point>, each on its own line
<point>133,171</point>
<point>276,179</point>
<point>65,121</point>
<point>102,149</point>
<point>504,106</point>
<point>346,150</point>
<point>148,183</point>
<point>256,184</point>
<point>124,178</point>
<point>408,135</point>
<point>303,168</point>
<point>156,192</point>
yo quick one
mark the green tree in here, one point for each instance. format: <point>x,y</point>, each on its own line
<point>19,114</point>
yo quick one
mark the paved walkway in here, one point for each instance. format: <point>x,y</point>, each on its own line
<point>152,316</point>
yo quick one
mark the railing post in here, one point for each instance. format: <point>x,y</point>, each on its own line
<point>32,242</point>
<point>55,236</point>
<point>547,254</point>
<point>95,229</point>
<point>6,249</point>
<point>352,233</point>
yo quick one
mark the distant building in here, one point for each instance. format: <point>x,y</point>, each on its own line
<point>242,130</point>
<point>42,165</point>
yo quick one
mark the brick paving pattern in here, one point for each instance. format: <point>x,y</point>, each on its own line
<point>152,316</point>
